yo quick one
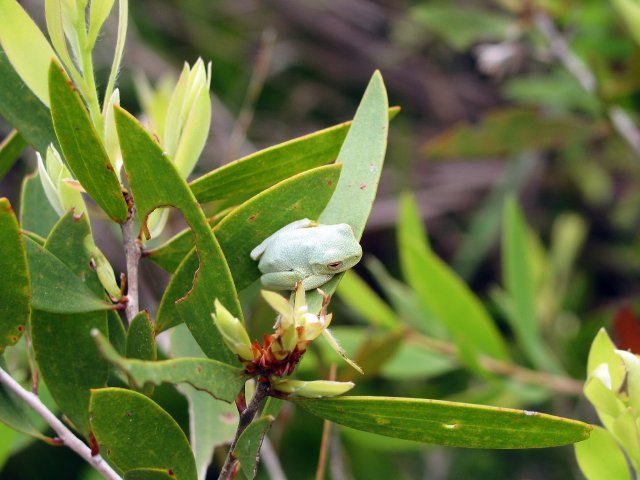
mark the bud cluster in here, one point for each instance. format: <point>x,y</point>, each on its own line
<point>281,351</point>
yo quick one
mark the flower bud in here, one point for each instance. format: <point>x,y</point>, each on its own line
<point>312,389</point>
<point>234,334</point>
<point>103,269</point>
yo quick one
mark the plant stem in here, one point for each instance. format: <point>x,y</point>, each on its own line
<point>132,253</point>
<point>550,381</point>
<point>246,417</point>
<point>64,434</point>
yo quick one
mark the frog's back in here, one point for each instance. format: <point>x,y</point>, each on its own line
<point>289,250</point>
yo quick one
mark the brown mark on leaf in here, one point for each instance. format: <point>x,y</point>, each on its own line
<point>252,218</point>
<point>13,339</point>
<point>199,370</point>
<point>171,473</point>
<point>129,413</point>
<point>363,186</point>
<point>21,328</point>
<point>110,167</point>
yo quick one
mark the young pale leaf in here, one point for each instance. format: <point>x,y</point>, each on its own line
<point>26,47</point>
<point>55,288</point>
<point>98,13</point>
<point>154,182</point>
<point>248,447</point>
<point>220,380</point>
<point>37,216</point>
<point>448,423</point>
<point>247,176</point>
<point>15,287</point>
<point>10,150</point>
<point>518,280</point>
<point>445,294</point>
<point>125,424</point>
<point>83,150</point>
<point>303,195</point>
<point>123,22</point>
<point>23,110</point>
<point>362,156</point>
<point>601,458</point>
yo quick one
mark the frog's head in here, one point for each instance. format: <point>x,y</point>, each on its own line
<point>338,252</point>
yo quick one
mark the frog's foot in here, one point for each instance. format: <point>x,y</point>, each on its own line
<point>280,280</point>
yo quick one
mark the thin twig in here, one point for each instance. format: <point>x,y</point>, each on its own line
<point>620,120</point>
<point>258,77</point>
<point>326,433</point>
<point>555,383</point>
<point>64,434</point>
<point>132,253</point>
<point>246,417</point>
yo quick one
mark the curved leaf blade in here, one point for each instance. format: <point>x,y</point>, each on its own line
<point>220,380</point>
<point>81,145</point>
<point>15,286</point>
<point>249,175</point>
<point>36,213</point>
<point>448,423</point>
<point>10,150</point>
<point>362,155</point>
<point>248,447</point>
<point>144,160</point>
<point>124,422</point>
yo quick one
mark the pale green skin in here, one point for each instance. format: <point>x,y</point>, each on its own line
<point>306,252</point>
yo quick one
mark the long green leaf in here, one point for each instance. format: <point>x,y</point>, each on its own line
<point>303,195</point>
<point>362,155</point>
<point>155,182</point>
<point>445,294</point>
<point>23,110</point>
<point>70,373</point>
<point>216,378</point>
<point>601,457</point>
<point>247,176</point>
<point>448,423</point>
<point>355,292</point>
<point>81,145</point>
<point>518,280</point>
<point>15,287</point>
<point>128,425</point>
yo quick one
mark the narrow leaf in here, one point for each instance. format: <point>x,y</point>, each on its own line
<point>247,176</point>
<point>125,424</point>
<point>518,280</point>
<point>144,160</point>
<point>15,288</point>
<point>360,297</point>
<point>448,423</point>
<point>36,213</point>
<point>83,150</point>
<point>216,378</point>
<point>362,155</point>
<point>445,294</point>
<point>26,47</point>
<point>22,109</point>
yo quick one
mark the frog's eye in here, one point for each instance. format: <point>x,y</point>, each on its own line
<point>334,265</point>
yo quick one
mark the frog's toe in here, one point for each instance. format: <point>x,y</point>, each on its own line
<point>315,281</point>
